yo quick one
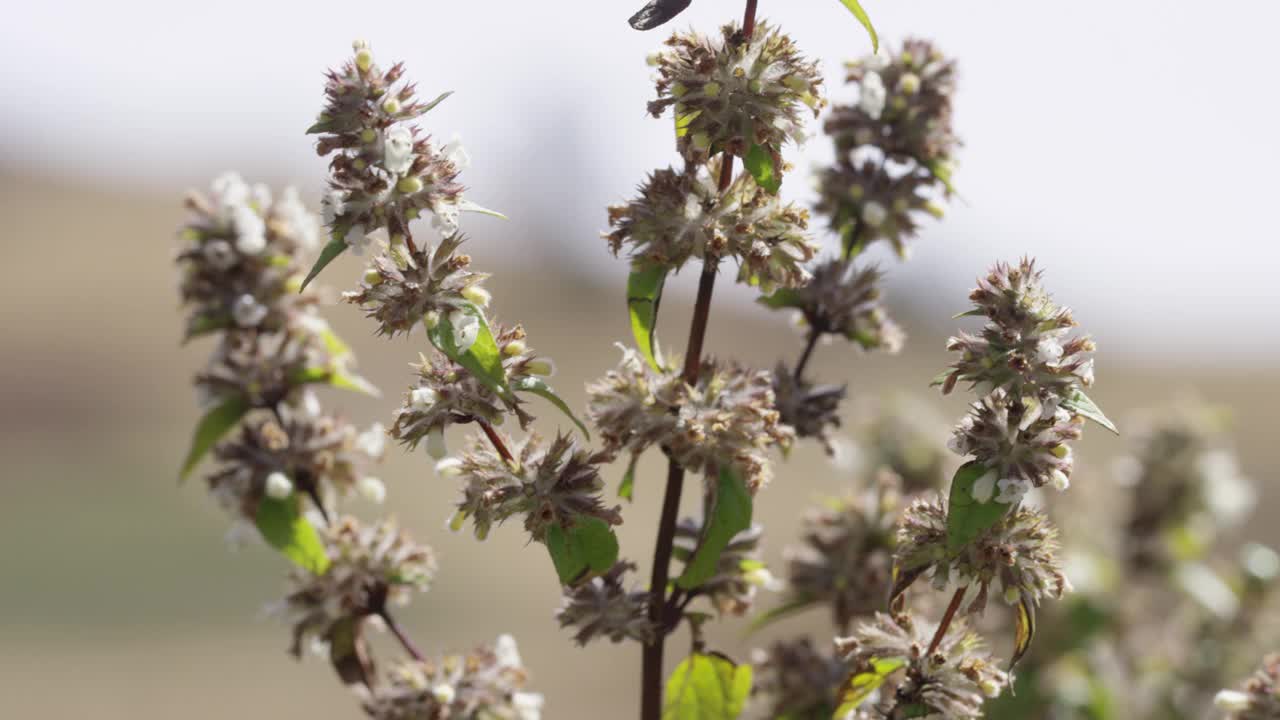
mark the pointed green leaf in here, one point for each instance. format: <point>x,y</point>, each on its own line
<point>644,294</point>
<point>587,549</point>
<point>482,359</point>
<point>683,121</point>
<point>538,386</point>
<point>338,378</point>
<point>730,515</point>
<point>1026,630</point>
<point>760,163</point>
<point>862,684</point>
<point>337,245</point>
<point>334,345</point>
<point>856,8</point>
<point>966,517</point>
<point>707,687</point>
<point>215,423</point>
<point>627,489</point>
<point>782,298</point>
<point>439,99</point>
<point>786,609</point>
<point>284,528</point>
<point>1081,405</point>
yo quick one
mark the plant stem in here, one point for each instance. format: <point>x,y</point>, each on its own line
<point>651,664</point>
<point>946,619</point>
<point>400,634</point>
<point>809,345</point>
<point>496,439</point>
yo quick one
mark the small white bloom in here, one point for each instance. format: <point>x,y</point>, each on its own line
<point>508,655</point>
<point>279,486</point>
<point>449,467</point>
<point>959,443</point>
<point>445,217</point>
<point>873,95</point>
<point>250,229</point>
<point>985,487</point>
<point>357,240</point>
<point>247,311</point>
<point>331,206</point>
<point>761,577</point>
<point>466,328</point>
<point>435,443</point>
<point>528,706</point>
<point>1229,495</point>
<point>304,225</point>
<point>372,489</point>
<point>1085,372</point>
<point>874,214</point>
<point>230,191</point>
<point>542,366</point>
<point>444,693</point>
<point>422,398</point>
<point>1012,489</point>
<point>1231,700</point>
<point>310,403</point>
<point>455,153</point>
<point>372,442</point>
<point>1060,480</point>
<point>397,150</point>
<point>1049,350</point>
<point>879,61</point>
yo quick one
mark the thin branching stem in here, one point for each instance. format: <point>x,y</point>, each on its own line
<point>946,619</point>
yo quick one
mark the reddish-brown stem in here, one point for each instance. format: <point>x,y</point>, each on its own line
<point>651,665</point>
<point>947,617</point>
<point>496,439</point>
<point>400,634</point>
<point>805,356</point>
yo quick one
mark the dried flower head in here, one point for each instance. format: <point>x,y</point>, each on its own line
<point>904,106</point>
<point>487,683</point>
<point>794,680</point>
<point>369,568</point>
<point>679,216</point>
<point>403,286</point>
<point>844,301</point>
<point>846,560</point>
<point>1257,699</point>
<point>241,257</point>
<point>732,92</point>
<point>726,419</point>
<point>556,484</point>
<point>952,683</point>
<point>384,173</point>
<point>807,408</point>
<point>264,369</point>
<point>739,570</point>
<point>865,203</point>
<point>604,607</point>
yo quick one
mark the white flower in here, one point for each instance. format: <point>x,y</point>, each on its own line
<point>422,398</point>
<point>466,328</point>
<point>1229,495</point>
<point>230,191</point>
<point>1049,350</point>
<point>435,443</point>
<point>310,403</point>
<point>508,655</point>
<point>449,467</point>
<point>397,150</point>
<point>331,206</point>
<point>1231,700</point>
<point>959,443</point>
<point>250,229</point>
<point>372,442</point>
<point>1011,490</point>
<point>279,486</point>
<point>445,217</point>
<point>873,95</point>
<point>879,61</point>
<point>455,153</point>
<point>1085,372</point>
<point>444,693</point>
<point>985,487</point>
<point>303,225</point>
<point>761,577</point>
<point>874,214</point>
<point>528,706</point>
<point>247,311</point>
<point>1060,480</point>
<point>372,489</point>
<point>357,240</point>
<point>219,254</point>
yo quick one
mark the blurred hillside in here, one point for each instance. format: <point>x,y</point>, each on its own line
<point>119,598</point>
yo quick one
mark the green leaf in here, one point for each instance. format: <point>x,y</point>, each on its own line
<point>215,423</point>
<point>337,245</point>
<point>334,345</point>
<point>966,517</point>
<point>786,609</point>
<point>1081,405</point>
<point>856,8</point>
<point>482,359</point>
<point>336,377</point>
<point>684,121</point>
<point>439,99</point>
<point>285,529</point>
<point>782,298</point>
<point>587,549</point>
<point>707,687</point>
<point>730,515</point>
<point>862,684</point>
<point>538,386</point>
<point>759,162</point>
<point>644,293</point>
<point>1026,630</point>
<point>627,488</point>
<point>942,171</point>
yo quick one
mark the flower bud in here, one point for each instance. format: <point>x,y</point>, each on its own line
<point>449,467</point>
<point>435,443</point>
<point>477,295</point>
<point>372,489</point>
<point>278,486</point>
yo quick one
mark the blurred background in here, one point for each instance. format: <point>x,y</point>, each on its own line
<point>1130,147</point>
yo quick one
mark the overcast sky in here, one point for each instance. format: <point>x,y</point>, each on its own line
<point>1131,146</point>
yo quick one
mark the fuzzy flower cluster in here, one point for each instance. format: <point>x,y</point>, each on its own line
<point>555,484</point>
<point>384,172</point>
<point>404,286</point>
<point>810,410</point>
<point>894,147</point>
<point>300,449</point>
<point>844,301</point>
<point>846,560</point>
<point>1257,699</point>
<point>370,567</point>
<point>726,418</point>
<point>795,680</point>
<point>486,683</point>
<point>1017,559</point>
<point>683,215</point>
<point>739,571</point>
<point>263,369</point>
<point>241,258</point>
<point>604,607</point>
<point>952,683</point>
<point>445,393</point>
<point>732,92</point>
<point>1027,374</point>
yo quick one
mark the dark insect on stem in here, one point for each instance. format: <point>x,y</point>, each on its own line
<point>658,12</point>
